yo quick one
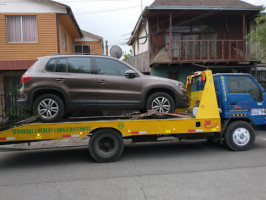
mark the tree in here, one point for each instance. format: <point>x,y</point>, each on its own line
<point>258,36</point>
<point>127,55</point>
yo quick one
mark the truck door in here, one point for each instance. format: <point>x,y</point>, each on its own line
<point>245,98</point>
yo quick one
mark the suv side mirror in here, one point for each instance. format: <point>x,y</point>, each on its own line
<point>130,74</point>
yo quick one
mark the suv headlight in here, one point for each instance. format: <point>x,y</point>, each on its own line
<point>181,86</point>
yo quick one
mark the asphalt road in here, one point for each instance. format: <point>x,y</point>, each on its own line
<point>189,170</point>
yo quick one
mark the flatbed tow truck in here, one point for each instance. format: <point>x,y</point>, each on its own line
<point>229,108</point>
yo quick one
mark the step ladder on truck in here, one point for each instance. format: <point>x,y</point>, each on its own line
<point>223,110</point>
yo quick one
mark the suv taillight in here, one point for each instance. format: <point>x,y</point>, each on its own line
<point>25,78</point>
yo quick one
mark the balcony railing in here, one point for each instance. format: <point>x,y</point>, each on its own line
<point>202,51</point>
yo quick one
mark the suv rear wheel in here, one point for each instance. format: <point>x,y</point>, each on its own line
<point>49,108</point>
<point>161,102</point>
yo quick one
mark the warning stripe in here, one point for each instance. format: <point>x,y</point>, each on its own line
<point>238,115</point>
<point>195,130</point>
<point>7,138</point>
<point>71,136</point>
<point>138,132</point>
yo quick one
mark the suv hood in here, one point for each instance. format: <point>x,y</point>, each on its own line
<point>159,78</point>
<point>178,83</point>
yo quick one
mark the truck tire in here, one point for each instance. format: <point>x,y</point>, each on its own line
<point>106,145</point>
<point>239,136</point>
<point>49,108</point>
<point>161,102</point>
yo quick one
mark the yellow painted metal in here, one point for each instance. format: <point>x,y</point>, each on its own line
<point>208,107</point>
<point>207,120</point>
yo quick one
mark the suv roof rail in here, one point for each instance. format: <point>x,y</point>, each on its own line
<point>76,54</point>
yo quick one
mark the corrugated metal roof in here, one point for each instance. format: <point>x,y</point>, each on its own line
<point>203,3</point>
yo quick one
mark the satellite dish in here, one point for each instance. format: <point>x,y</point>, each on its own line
<point>116,52</point>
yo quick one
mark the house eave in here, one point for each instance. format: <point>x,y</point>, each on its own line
<point>92,35</point>
<point>69,12</point>
<point>255,8</point>
<point>132,37</point>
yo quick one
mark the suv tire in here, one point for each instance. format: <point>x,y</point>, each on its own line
<point>48,108</point>
<point>161,102</point>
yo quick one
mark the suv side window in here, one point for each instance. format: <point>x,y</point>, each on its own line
<point>110,67</point>
<point>50,65</point>
<point>61,65</point>
<point>79,65</point>
<point>242,84</point>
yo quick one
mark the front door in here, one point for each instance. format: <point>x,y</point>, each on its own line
<point>114,88</point>
<point>245,99</point>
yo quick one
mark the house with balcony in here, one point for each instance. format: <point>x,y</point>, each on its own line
<point>174,38</point>
<point>30,29</point>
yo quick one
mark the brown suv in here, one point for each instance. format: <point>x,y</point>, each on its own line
<point>59,84</point>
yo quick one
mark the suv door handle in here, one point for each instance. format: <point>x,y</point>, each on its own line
<point>102,81</point>
<point>60,80</point>
<point>233,103</point>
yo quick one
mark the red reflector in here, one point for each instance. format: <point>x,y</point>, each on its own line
<point>25,79</point>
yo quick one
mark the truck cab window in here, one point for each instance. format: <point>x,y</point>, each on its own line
<point>243,84</point>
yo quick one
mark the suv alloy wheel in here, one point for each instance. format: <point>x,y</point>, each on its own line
<point>48,107</point>
<point>161,102</point>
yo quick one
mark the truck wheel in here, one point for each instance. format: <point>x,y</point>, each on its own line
<point>49,107</point>
<point>106,145</point>
<point>161,102</point>
<point>239,136</point>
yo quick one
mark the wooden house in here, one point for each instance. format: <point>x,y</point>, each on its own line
<point>173,38</point>
<point>30,29</point>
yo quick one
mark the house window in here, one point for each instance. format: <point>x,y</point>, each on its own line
<point>21,29</point>
<point>186,40</point>
<point>63,36</point>
<point>82,49</point>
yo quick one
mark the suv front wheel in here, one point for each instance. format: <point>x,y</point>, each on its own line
<point>161,102</point>
<point>48,108</point>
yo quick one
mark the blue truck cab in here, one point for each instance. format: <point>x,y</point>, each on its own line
<point>241,97</point>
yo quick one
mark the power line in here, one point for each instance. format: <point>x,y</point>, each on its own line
<point>102,11</point>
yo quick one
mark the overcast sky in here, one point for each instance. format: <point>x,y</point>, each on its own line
<point>113,20</point>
